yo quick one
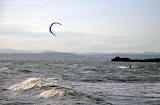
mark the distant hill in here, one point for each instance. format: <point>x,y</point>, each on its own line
<point>130,55</point>
<point>145,53</point>
<point>89,55</point>
<point>11,51</point>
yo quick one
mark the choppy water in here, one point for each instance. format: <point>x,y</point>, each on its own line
<point>78,82</point>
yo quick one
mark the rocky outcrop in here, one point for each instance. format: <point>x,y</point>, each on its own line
<point>118,59</point>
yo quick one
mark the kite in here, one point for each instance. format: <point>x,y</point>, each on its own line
<point>50,28</point>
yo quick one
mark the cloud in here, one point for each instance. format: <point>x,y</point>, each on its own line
<point>15,37</point>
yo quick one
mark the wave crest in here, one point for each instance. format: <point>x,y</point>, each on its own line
<point>52,93</point>
<point>30,83</point>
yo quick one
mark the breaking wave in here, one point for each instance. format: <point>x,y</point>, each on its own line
<point>52,93</point>
<point>30,83</point>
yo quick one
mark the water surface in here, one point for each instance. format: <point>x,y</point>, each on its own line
<point>78,82</point>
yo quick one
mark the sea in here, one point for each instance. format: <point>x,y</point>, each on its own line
<point>70,79</point>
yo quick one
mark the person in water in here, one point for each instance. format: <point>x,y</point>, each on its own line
<point>130,67</point>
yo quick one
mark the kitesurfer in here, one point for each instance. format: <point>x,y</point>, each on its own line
<point>130,67</point>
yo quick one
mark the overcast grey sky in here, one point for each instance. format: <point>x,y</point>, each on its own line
<point>88,25</point>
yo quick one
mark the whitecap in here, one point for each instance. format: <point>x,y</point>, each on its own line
<point>52,93</point>
<point>5,68</point>
<point>122,67</point>
<point>30,83</point>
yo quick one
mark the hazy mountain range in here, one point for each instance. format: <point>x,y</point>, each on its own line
<point>10,51</point>
<point>49,54</point>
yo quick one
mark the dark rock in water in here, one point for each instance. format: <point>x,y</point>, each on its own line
<point>118,59</point>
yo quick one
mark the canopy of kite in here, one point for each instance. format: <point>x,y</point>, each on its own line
<point>50,28</point>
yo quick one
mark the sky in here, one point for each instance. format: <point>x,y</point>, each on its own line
<point>102,26</point>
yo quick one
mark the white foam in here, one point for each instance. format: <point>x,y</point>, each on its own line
<point>30,83</point>
<point>122,67</point>
<point>52,93</point>
<point>5,68</point>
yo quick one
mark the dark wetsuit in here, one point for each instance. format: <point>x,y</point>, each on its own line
<point>130,67</point>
